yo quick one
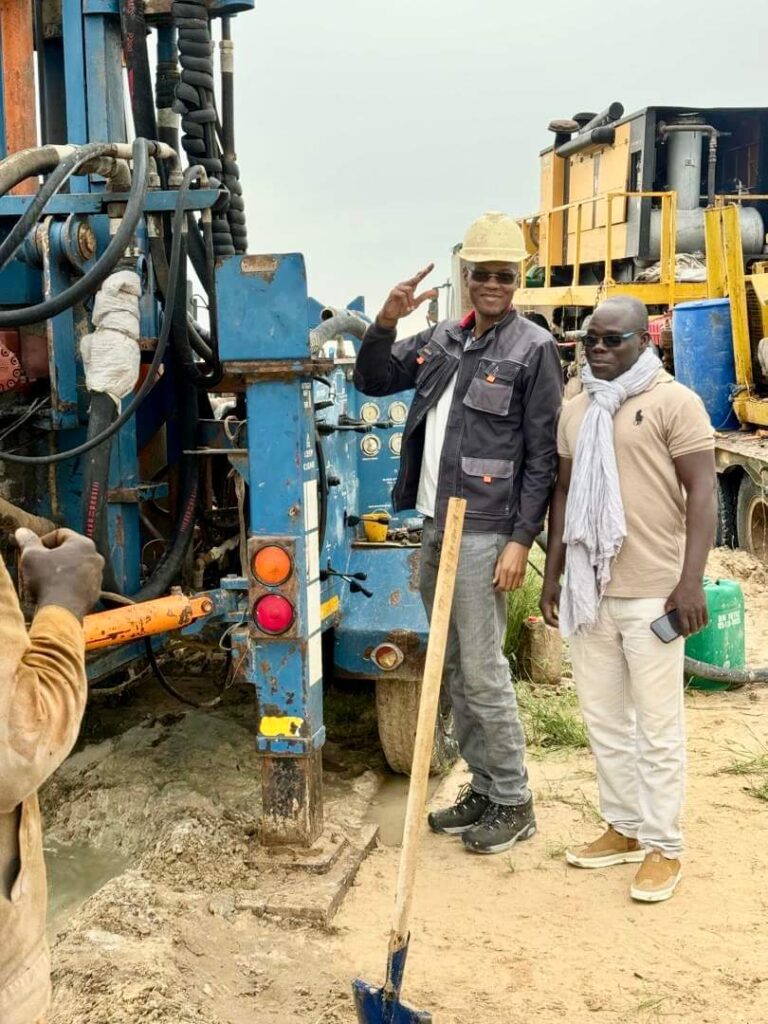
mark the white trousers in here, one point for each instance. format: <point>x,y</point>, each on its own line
<point>630,688</point>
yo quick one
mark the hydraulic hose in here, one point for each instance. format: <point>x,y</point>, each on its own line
<point>166,79</point>
<point>29,163</point>
<point>179,227</point>
<point>167,570</point>
<point>61,174</point>
<point>103,412</point>
<point>133,30</point>
<point>106,263</point>
<point>737,677</point>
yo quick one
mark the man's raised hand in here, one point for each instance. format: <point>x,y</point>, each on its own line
<point>403,299</point>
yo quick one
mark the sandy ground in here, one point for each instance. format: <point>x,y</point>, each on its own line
<point>495,939</point>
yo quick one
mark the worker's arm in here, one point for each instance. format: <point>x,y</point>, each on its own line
<point>555,563</point>
<point>42,674</point>
<point>697,475</point>
<point>383,368</point>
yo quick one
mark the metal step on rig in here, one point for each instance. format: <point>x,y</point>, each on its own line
<point>217,452</point>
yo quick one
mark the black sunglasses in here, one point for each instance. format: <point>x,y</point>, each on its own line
<point>609,340</point>
<point>503,276</point>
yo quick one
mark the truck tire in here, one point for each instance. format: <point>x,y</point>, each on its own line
<point>727,491</point>
<point>397,707</point>
<point>752,519</point>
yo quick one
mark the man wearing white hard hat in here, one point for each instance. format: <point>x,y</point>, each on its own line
<point>482,426</point>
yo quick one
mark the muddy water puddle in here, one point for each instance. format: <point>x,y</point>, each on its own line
<point>387,809</point>
<point>75,872</point>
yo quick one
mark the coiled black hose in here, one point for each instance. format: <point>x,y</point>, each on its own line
<point>195,103</point>
<point>179,225</point>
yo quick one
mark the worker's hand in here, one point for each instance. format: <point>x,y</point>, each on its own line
<point>511,566</point>
<point>550,602</point>
<point>689,600</point>
<point>403,299</point>
<point>62,568</point>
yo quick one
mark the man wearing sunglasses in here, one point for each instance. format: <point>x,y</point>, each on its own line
<point>632,522</point>
<point>482,426</point>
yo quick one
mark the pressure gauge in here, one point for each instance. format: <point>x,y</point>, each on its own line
<point>396,443</point>
<point>369,412</point>
<point>371,445</point>
<point>398,412</point>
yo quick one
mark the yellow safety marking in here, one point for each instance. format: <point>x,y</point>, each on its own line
<point>283,725</point>
<point>329,607</point>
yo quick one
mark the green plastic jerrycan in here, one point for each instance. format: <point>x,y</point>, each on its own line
<point>722,642</point>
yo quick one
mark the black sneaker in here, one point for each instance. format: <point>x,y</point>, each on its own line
<point>500,828</point>
<point>468,809</point>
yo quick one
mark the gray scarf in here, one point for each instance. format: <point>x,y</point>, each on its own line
<point>595,526</point>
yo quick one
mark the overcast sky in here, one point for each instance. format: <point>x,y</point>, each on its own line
<point>370,134</point>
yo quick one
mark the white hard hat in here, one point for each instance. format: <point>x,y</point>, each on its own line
<point>494,236</point>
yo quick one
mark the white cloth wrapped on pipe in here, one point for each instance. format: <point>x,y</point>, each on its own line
<point>111,354</point>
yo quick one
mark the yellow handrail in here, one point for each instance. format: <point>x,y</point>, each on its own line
<point>668,234</point>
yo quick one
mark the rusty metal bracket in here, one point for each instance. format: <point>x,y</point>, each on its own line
<point>278,369</point>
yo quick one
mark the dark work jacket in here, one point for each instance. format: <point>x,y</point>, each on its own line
<point>500,450</point>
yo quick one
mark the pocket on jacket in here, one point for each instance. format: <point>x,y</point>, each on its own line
<point>487,485</point>
<point>491,389</point>
<point>429,370</point>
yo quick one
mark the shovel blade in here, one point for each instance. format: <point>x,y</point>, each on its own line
<point>378,1006</point>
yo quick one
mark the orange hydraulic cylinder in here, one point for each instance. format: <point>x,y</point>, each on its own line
<point>121,625</point>
<point>18,58</point>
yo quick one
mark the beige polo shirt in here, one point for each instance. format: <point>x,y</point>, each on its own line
<point>650,431</point>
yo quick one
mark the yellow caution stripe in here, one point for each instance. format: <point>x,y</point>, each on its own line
<point>329,607</point>
<point>280,725</point>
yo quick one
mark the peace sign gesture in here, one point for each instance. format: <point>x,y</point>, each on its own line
<point>402,300</point>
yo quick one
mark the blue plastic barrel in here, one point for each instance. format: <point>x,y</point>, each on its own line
<point>703,347</point>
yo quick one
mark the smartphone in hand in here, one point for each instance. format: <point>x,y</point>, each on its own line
<point>667,628</point>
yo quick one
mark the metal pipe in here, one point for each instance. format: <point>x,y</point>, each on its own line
<point>346,321</point>
<point>712,134</point>
<point>601,136</point>
<point>611,114</point>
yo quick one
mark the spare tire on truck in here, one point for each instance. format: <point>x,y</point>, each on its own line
<point>752,518</point>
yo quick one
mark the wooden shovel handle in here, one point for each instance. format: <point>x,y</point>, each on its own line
<point>425,727</point>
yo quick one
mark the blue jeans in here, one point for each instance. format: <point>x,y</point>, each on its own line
<point>476,673</point>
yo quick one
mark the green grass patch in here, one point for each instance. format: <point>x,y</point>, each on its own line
<point>753,764</point>
<point>748,766</point>
<point>551,720</point>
